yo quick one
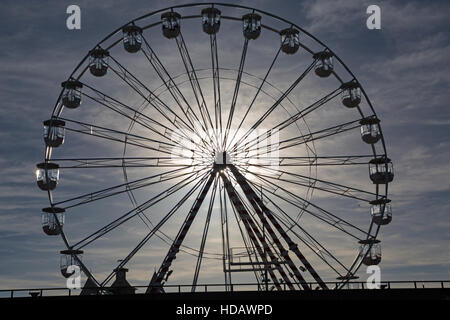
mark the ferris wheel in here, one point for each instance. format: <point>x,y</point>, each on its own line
<point>221,141</point>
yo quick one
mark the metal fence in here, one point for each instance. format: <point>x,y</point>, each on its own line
<point>186,288</point>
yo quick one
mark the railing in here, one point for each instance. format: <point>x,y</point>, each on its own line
<point>185,288</point>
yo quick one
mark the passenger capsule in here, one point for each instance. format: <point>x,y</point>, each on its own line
<point>370,130</point>
<point>71,96</point>
<point>98,62</point>
<point>381,170</point>
<point>381,211</point>
<point>290,40</point>
<point>251,24</point>
<point>170,24</point>
<point>373,256</point>
<point>132,38</point>
<point>211,20</point>
<point>54,132</point>
<point>47,175</point>
<point>53,220</point>
<point>324,65</point>
<point>69,258</point>
<point>351,94</point>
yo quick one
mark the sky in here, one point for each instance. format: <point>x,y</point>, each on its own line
<point>404,69</point>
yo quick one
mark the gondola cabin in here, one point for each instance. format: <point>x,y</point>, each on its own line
<point>251,24</point>
<point>381,211</point>
<point>351,94</point>
<point>170,24</point>
<point>211,20</point>
<point>324,65</point>
<point>132,38</point>
<point>70,258</point>
<point>370,130</point>
<point>290,40</point>
<point>98,62</point>
<point>381,170</point>
<point>47,175</point>
<point>54,132</point>
<point>71,96</point>
<point>373,250</point>
<point>53,220</point>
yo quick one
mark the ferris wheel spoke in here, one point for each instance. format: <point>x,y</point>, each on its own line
<point>319,184</point>
<point>257,238</point>
<point>321,134</point>
<point>175,150</point>
<point>180,127</point>
<point>216,86</point>
<point>297,140</point>
<point>165,148</point>
<point>313,244</point>
<point>256,96</point>
<point>278,102</point>
<point>136,211</point>
<point>117,135</point>
<point>124,162</point>
<point>129,185</point>
<point>205,234</point>
<point>195,84</point>
<point>292,161</point>
<point>176,93</point>
<point>316,211</point>
<point>235,93</point>
<point>287,122</point>
<point>135,84</point>
<point>140,118</point>
<point>120,107</point>
<point>157,227</point>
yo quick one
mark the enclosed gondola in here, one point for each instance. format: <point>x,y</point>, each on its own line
<point>370,130</point>
<point>211,20</point>
<point>70,258</point>
<point>351,94</point>
<point>370,252</point>
<point>290,40</point>
<point>47,175</point>
<point>71,96</point>
<point>54,132</point>
<point>381,211</point>
<point>53,220</point>
<point>132,38</point>
<point>251,25</point>
<point>170,24</point>
<point>324,65</point>
<point>381,170</point>
<point>98,62</point>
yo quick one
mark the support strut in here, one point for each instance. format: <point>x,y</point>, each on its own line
<point>156,282</point>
